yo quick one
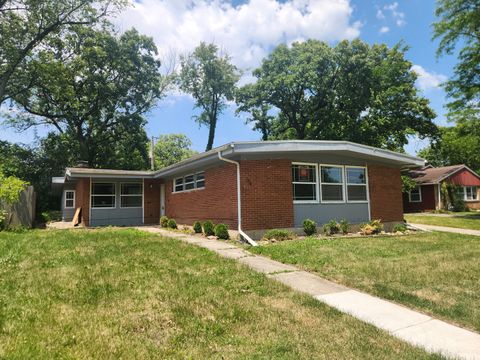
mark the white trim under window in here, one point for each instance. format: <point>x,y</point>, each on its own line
<point>357,184</point>
<point>189,182</point>
<point>67,199</point>
<point>417,191</point>
<point>314,183</point>
<point>113,195</point>
<point>135,195</point>
<point>325,183</point>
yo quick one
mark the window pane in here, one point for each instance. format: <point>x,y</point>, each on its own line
<point>200,176</point>
<point>179,181</point>
<point>200,184</point>
<point>357,193</point>
<point>178,187</point>
<point>332,193</point>
<point>103,189</point>
<point>131,189</point>
<point>304,173</point>
<point>69,203</point>
<point>131,201</point>
<point>103,201</point>
<point>69,195</point>
<point>189,186</point>
<point>415,197</point>
<point>304,192</point>
<point>332,174</point>
<point>356,176</point>
<point>474,193</point>
<point>189,178</point>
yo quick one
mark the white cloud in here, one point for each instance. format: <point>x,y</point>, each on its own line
<point>428,80</point>
<point>384,29</point>
<point>247,32</point>
<point>397,15</point>
<point>380,14</point>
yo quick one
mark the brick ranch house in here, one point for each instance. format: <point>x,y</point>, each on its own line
<point>427,195</point>
<point>251,186</point>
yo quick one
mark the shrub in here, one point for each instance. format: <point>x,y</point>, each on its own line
<point>164,221</point>
<point>221,231</point>
<point>3,218</point>
<point>172,224</point>
<point>278,234</point>
<point>197,227</point>
<point>49,216</point>
<point>344,225</point>
<point>371,228</point>
<point>401,227</point>
<point>309,227</point>
<point>208,228</point>
<point>331,228</point>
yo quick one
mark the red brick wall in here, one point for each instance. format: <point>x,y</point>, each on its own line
<point>427,203</point>
<point>216,202</point>
<point>385,186</point>
<point>151,201</point>
<point>82,199</point>
<point>267,194</point>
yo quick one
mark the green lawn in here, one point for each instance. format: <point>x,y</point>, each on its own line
<point>437,273</point>
<point>112,294</point>
<point>462,220</point>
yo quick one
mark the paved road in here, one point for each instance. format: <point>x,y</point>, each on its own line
<point>411,326</point>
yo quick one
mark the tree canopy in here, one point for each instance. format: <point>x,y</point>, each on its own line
<point>94,87</point>
<point>352,91</point>
<point>172,148</point>
<point>211,79</point>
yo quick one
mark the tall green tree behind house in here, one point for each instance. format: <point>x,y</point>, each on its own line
<point>211,79</point>
<point>27,24</point>
<point>458,26</point>
<point>352,91</point>
<point>93,88</point>
<point>172,148</point>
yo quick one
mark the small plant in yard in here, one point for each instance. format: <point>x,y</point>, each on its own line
<point>164,221</point>
<point>344,225</point>
<point>221,231</point>
<point>172,224</point>
<point>332,228</point>
<point>3,217</point>
<point>401,227</point>
<point>279,235</point>
<point>309,227</point>
<point>208,228</point>
<point>372,228</point>
<point>197,227</point>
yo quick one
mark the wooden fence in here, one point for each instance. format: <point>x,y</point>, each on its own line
<point>23,212</point>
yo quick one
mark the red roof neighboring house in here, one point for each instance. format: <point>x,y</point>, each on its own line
<point>429,179</point>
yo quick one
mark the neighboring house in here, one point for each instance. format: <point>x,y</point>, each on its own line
<point>251,186</point>
<point>427,195</point>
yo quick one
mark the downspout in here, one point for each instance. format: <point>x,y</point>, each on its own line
<point>239,201</point>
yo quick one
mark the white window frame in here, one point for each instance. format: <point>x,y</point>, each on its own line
<point>317,191</point>
<point>130,195</point>
<point>195,188</point>
<point>342,167</point>
<point>419,194</point>
<point>65,199</point>
<point>92,195</point>
<point>354,184</point>
<point>465,194</point>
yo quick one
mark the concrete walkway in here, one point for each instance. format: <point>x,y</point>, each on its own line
<point>447,229</point>
<point>413,327</point>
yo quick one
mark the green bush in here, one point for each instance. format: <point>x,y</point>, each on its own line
<point>372,228</point>
<point>331,228</point>
<point>172,224</point>
<point>221,231</point>
<point>197,227</point>
<point>344,225</point>
<point>278,234</point>
<point>401,227</point>
<point>49,216</point>
<point>164,221</point>
<point>309,227</point>
<point>208,228</point>
<point>3,218</point>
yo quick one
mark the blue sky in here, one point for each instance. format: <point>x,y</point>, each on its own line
<point>248,30</point>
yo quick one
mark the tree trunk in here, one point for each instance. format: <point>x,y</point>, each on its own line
<point>211,133</point>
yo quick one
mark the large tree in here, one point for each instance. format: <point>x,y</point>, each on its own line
<point>93,87</point>
<point>458,25</point>
<point>211,79</point>
<point>26,24</point>
<point>172,148</point>
<point>352,91</point>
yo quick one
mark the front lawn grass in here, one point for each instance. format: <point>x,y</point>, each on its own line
<point>126,294</point>
<point>437,273</point>
<point>463,220</point>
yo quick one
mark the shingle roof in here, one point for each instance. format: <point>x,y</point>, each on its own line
<point>433,175</point>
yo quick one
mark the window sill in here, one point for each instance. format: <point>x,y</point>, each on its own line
<point>187,191</point>
<point>298,202</point>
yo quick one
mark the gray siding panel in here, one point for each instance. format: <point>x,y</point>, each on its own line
<point>322,213</point>
<point>67,214</point>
